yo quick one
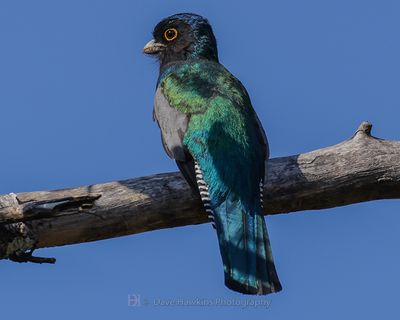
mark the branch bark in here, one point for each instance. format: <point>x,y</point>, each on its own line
<point>362,168</point>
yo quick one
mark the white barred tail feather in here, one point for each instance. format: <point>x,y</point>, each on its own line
<point>204,195</point>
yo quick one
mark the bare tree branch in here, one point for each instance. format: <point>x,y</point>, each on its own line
<point>362,168</point>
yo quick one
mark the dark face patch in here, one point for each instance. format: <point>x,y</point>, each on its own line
<point>177,48</point>
<point>183,37</point>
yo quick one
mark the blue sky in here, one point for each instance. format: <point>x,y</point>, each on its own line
<point>76,101</point>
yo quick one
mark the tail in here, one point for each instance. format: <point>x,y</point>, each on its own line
<point>245,249</point>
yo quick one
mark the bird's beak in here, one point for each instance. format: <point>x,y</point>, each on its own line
<point>153,47</point>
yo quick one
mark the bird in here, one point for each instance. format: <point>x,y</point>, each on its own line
<point>209,127</point>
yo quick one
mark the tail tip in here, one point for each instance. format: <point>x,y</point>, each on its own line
<point>263,289</point>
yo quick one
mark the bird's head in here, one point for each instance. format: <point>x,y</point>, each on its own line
<point>181,37</point>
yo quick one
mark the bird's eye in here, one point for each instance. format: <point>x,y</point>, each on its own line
<point>170,34</point>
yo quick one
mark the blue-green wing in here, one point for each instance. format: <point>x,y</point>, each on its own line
<point>226,140</point>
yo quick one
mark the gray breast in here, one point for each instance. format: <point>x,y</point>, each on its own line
<point>173,125</point>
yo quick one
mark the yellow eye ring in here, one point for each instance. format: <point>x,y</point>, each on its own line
<point>170,34</point>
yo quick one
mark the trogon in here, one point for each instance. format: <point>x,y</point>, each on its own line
<point>209,127</point>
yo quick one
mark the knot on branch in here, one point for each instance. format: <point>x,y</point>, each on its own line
<point>14,238</point>
<point>17,243</point>
<point>365,128</point>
